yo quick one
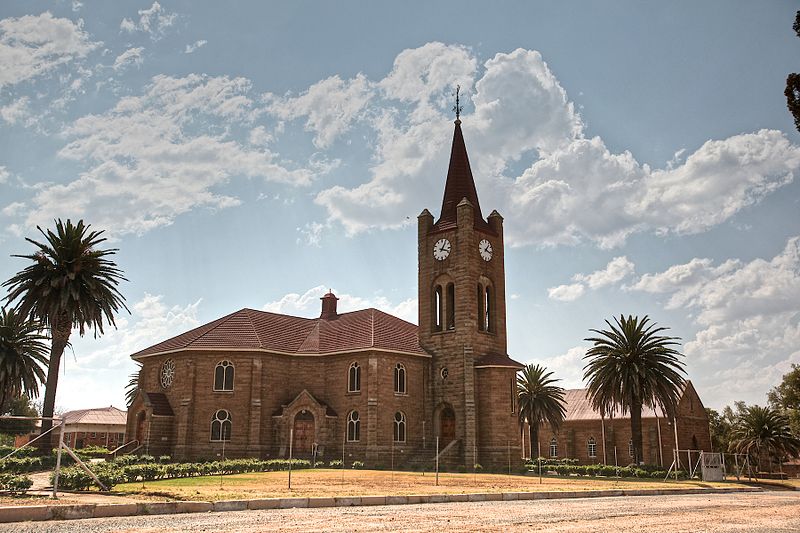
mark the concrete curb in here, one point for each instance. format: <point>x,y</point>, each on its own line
<point>103,510</point>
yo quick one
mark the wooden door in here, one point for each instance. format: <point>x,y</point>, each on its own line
<point>447,430</point>
<point>303,434</point>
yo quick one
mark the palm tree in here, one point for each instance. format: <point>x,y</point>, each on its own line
<point>763,431</point>
<point>71,284</point>
<point>133,386</point>
<point>23,356</point>
<point>631,365</point>
<point>539,401</point>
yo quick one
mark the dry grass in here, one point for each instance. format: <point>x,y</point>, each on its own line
<point>328,483</point>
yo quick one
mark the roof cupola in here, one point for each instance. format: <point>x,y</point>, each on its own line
<point>329,306</point>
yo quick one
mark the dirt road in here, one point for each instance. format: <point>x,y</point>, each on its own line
<point>751,512</point>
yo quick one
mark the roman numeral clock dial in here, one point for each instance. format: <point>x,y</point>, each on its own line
<point>441,249</point>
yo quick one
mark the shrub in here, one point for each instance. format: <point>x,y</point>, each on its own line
<point>336,463</point>
<point>478,467</point>
<point>92,452</point>
<point>165,459</point>
<point>14,483</point>
<point>607,470</point>
<point>358,465</point>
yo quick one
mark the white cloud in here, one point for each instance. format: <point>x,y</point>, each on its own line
<point>16,111</point>
<point>748,316</point>
<point>190,48</point>
<point>330,106</point>
<point>311,233</point>
<point>573,190</point>
<point>76,6</point>
<point>566,293</point>
<point>155,156</point>
<point>34,45</point>
<point>4,174</point>
<point>131,56</point>
<point>155,20</point>
<point>13,209</point>
<point>615,271</point>
<point>567,367</point>
<point>308,304</point>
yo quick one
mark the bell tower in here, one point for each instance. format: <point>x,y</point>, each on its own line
<point>462,322</point>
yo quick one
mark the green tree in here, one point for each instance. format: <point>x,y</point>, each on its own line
<point>71,283</point>
<point>792,91</point>
<point>763,433</point>
<point>23,356</point>
<point>539,400</point>
<point>786,397</point>
<point>133,386</point>
<point>720,430</point>
<point>19,406</point>
<point>630,366</point>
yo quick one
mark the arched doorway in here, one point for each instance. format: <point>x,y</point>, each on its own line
<point>303,434</point>
<point>447,426</point>
<point>140,427</point>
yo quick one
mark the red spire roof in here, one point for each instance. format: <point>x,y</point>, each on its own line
<point>460,185</point>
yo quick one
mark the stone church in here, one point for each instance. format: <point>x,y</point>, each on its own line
<point>364,385</point>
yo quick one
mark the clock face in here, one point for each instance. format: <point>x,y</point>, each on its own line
<point>485,249</point>
<point>441,249</point>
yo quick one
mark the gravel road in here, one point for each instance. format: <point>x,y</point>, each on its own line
<point>751,512</point>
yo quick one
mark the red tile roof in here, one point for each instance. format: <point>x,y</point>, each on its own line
<point>102,415</point>
<point>260,330</point>
<point>579,407</point>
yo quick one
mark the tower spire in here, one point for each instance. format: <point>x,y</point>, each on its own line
<point>457,108</point>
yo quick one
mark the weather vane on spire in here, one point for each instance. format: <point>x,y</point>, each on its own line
<point>457,108</point>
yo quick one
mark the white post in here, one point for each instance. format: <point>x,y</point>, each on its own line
<point>603,431</point>
<point>539,458</point>
<point>437,460</point>
<point>291,438</point>
<point>392,458</point>
<point>508,443</point>
<point>660,447</point>
<point>58,460</point>
<point>344,440</point>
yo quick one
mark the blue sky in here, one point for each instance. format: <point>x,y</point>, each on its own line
<point>257,154</point>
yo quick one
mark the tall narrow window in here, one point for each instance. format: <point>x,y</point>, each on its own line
<point>630,448</point>
<point>221,426</point>
<point>489,310</point>
<point>591,446</point>
<point>513,395</point>
<point>451,306</point>
<point>399,379</point>
<point>481,301</point>
<point>223,376</point>
<point>353,427</point>
<point>438,305</point>
<point>354,377</point>
<point>553,447</point>
<point>399,427</point>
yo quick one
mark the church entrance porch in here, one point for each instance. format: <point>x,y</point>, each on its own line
<point>303,434</point>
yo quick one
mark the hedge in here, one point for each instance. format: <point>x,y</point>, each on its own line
<point>642,471</point>
<point>15,484</point>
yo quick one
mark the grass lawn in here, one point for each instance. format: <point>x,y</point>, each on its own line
<point>329,482</point>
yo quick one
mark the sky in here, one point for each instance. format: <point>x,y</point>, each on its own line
<point>256,154</point>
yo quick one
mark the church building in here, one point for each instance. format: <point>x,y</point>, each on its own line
<point>364,385</point>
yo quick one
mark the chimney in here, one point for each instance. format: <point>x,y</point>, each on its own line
<point>329,306</point>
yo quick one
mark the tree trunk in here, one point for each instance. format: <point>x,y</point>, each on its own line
<point>60,332</point>
<point>636,431</point>
<point>533,430</point>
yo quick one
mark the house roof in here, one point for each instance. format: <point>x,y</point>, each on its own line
<point>579,407</point>
<point>460,185</point>
<point>105,416</point>
<point>248,329</point>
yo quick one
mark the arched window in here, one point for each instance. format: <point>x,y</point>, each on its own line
<point>221,426</point>
<point>451,306</point>
<point>399,427</point>
<point>399,379</point>
<point>553,447</point>
<point>223,376</point>
<point>353,427</point>
<point>591,446</point>
<point>438,308</point>
<point>481,302</point>
<point>354,377</point>
<point>630,447</point>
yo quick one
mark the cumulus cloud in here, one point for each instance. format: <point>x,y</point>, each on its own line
<point>615,271</point>
<point>131,56</point>
<point>147,161</point>
<point>566,367</point>
<point>13,209</point>
<point>155,21</point>
<point>16,111</point>
<point>191,48</point>
<point>572,189</point>
<point>308,304</point>
<point>329,106</point>
<point>35,45</point>
<point>748,316</point>
<point>4,174</point>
